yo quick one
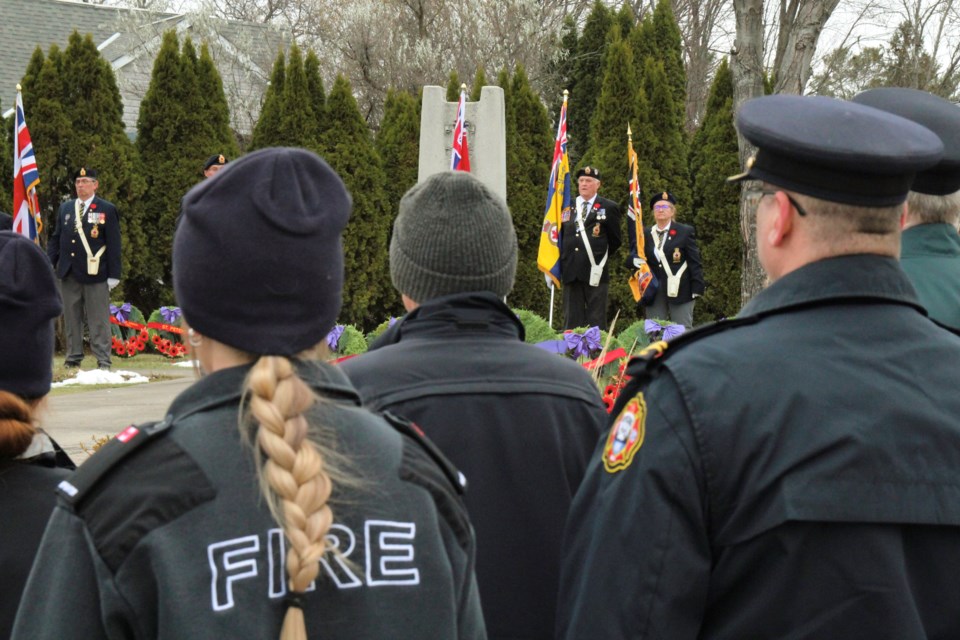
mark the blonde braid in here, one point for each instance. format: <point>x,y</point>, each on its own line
<point>296,483</point>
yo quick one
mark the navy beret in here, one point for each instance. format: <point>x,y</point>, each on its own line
<point>590,172</point>
<point>257,257</point>
<point>835,150</point>
<point>940,116</point>
<point>215,159</point>
<point>85,172</point>
<point>29,304</point>
<point>663,196</point>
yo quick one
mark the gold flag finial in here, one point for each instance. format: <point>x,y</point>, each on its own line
<point>463,87</point>
<point>18,87</point>
<point>629,133</point>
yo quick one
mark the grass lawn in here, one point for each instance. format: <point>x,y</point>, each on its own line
<point>150,365</point>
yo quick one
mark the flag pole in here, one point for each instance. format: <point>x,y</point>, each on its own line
<point>552,290</point>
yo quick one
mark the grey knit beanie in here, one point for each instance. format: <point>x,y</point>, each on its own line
<point>452,235</point>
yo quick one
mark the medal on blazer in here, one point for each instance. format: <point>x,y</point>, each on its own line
<point>626,436</point>
<point>676,255</point>
<point>95,232</point>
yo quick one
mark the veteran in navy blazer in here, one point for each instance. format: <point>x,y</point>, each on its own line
<point>585,304</point>
<point>86,257</point>
<point>671,246</point>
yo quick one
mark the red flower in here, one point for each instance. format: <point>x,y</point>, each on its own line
<point>143,335</point>
<point>93,205</point>
<point>673,232</point>
<point>120,350</point>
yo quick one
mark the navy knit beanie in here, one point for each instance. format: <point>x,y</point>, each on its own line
<point>452,235</point>
<point>257,257</point>
<point>29,304</point>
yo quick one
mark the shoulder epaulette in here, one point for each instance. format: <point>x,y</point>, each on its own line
<point>643,367</point>
<point>412,431</point>
<point>107,457</point>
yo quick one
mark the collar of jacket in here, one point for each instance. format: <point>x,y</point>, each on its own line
<point>926,239</point>
<point>836,280</point>
<point>449,316</point>
<point>225,387</point>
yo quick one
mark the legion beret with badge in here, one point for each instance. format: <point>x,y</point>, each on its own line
<point>218,159</point>
<point>29,305</point>
<point>86,172</point>
<point>835,150</point>
<point>663,196</point>
<point>269,282</point>
<point>589,172</point>
<point>940,116</point>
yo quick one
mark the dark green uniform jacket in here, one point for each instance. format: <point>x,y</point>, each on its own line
<point>163,534</point>
<point>792,473</point>
<point>930,254</point>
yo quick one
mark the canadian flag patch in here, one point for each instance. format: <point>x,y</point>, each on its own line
<point>127,434</point>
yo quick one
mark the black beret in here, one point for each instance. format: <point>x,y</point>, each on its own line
<point>85,172</point>
<point>257,257</point>
<point>590,172</point>
<point>835,150</point>
<point>664,196</point>
<point>940,116</point>
<point>29,305</point>
<point>216,159</point>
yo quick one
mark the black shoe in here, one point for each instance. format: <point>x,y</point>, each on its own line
<point>71,365</point>
<point>104,367</point>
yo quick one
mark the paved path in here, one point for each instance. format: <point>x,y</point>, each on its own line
<point>77,417</point>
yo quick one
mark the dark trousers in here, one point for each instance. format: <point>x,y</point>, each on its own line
<point>584,306</point>
<point>93,302</point>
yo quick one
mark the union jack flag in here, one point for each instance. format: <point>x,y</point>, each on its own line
<point>460,157</point>
<point>26,177</point>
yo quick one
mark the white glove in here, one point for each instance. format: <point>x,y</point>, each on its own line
<point>696,295</point>
<point>637,262</point>
<point>112,282</point>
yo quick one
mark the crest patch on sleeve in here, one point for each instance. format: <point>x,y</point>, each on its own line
<point>626,436</point>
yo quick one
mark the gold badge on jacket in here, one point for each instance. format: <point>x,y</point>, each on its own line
<point>676,256</point>
<point>596,231</point>
<point>95,232</point>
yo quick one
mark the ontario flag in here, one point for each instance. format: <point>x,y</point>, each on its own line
<point>558,203</point>
<point>642,279</point>
<point>460,157</point>
<point>26,177</point>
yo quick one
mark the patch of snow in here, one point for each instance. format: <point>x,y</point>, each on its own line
<point>96,376</point>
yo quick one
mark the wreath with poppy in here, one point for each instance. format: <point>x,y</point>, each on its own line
<point>128,329</point>
<point>165,333</point>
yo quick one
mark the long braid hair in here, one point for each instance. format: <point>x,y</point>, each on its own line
<point>17,425</point>
<point>295,480</point>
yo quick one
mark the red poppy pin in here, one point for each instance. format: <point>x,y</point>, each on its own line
<point>596,205</point>
<point>93,205</point>
<point>673,232</point>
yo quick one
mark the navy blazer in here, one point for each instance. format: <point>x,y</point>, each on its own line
<point>679,246</point>
<point>65,248</point>
<point>602,225</point>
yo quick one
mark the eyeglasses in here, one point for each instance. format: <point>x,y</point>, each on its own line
<point>84,181</point>
<point>661,207</point>
<point>770,192</point>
